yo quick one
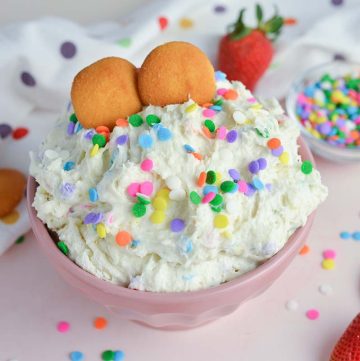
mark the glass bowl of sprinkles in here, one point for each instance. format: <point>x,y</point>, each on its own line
<point>325,101</point>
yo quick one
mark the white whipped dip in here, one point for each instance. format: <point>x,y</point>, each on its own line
<point>200,255</point>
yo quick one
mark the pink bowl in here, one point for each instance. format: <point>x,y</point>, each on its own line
<point>171,310</point>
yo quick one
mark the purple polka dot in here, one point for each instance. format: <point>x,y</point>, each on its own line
<point>231,136</point>
<point>177,225</point>
<point>278,151</point>
<point>5,130</point>
<point>262,163</point>
<point>253,167</point>
<point>220,8</point>
<point>339,56</point>
<point>67,189</point>
<point>27,79</point>
<point>68,49</point>
<point>337,2</point>
<point>122,139</point>
<point>93,218</point>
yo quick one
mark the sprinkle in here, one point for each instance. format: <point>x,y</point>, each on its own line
<point>221,133</point>
<point>188,148</point>
<point>108,355</point>
<point>177,225</point>
<point>221,91</point>
<point>277,151</point>
<point>164,134</point>
<point>99,139</point>
<point>134,243</point>
<point>135,120</point>
<point>304,250</point>
<point>209,124</point>
<point>63,326</point>
<point>185,245</point>
<point>250,190</point>
<point>133,189</point>
<point>325,289</point>
<point>67,189</point>
<point>306,167</point>
<point>88,135</point>
<point>101,230</point>
<point>93,195</point>
<point>284,158</point>
<point>242,186</point>
<point>234,174</point>
<point>122,123</point>
<point>70,128</point>
<point>152,119</point>
<point>194,197</point>
<point>69,166</point>
<point>201,180</point>
<point>221,221</point>
<point>143,199</point>
<point>160,203</point>
<point>217,200</point>
<point>157,217</point>
<point>231,94</point>
<point>191,108</point>
<point>356,236</point>
<point>94,150</point>
<point>253,167</point>
<point>345,235</point>
<point>292,305</point>
<point>219,75</point>
<point>173,182</point>
<point>208,113</point>
<point>119,355</point>
<point>93,218</point>
<point>239,117</point>
<point>122,139</point>
<point>146,188</point>
<point>138,210</point>
<point>177,194</point>
<point>73,118</point>
<point>228,186</point>
<point>258,184</point>
<point>197,156</point>
<point>164,193</point>
<point>145,141</point>
<point>262,163</point>
<point>210,188</point>
<point>147,165</point>
<point>312,314</point>
<point>210,177</point>
<point>208,197</point>
<point>100,323</point>
<point>63,247</point>
<point>76,356</point>
<point>231,136</point>
<point>274,143</point>
<point>207,133</point>
<point>329,254</point>
<point>328,264</point>
<point>102,129</point>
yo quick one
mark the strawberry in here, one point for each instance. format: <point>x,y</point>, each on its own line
<point>348,347</point>
<point>245,53</point>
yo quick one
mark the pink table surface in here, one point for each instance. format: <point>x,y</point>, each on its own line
<point>34,298</point>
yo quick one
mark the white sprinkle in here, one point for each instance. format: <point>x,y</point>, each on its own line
<point>51,154</point>
<point>239,117</point>
<point>326,289</point>
<point>177,194</point>
<point>292,305</point>
<point>173,182</point>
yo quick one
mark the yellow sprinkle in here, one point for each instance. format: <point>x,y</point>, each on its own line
<point>248,122</point>
<point>328,264</point>
<point>191,108</point>
<point>315,133</point>
<point>160,203</point>
<point>218,178</point>
<point>94,150</point>
<point>11,218</point>
<point>284,158</point>
<point>256,106</point>
<point>163,193</point>
<point>157,217</point>
<point>221,221</point>
<point>312,117</point>
<point>101,230</point>
<point>227,234</point>
<point>186,23</point>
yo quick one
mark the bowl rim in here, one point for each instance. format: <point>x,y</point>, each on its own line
<point>42,235</point>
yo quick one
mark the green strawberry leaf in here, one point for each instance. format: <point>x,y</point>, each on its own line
<point>241,34</point>
<point>259,14</point>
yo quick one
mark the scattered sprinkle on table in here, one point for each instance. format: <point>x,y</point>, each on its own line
<point>292,305</point>
<point>63,326</point>
<point>304,250</point>
<point>312,314</point>
<point>76,356</point>
<point>329,254</point>
<point>325,289</point>
<point>100,323</point>
<point>328,264</point>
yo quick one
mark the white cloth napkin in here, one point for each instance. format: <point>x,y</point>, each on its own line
<point>39,59</point>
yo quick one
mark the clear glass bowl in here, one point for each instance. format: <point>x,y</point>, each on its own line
<point>320,146</point>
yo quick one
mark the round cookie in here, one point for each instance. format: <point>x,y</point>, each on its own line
<point>12,185</point>
<point>174,72</point>
<point>104,92</point>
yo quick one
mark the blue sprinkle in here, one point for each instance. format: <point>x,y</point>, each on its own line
<point>235,189</point>
<point>93,195</point>
<point>187,277</point>
<point>250,191</point>
<point>210,188</point>
<point>189,148</point>
<point>345,235</point>
<point>216,107</point>
<point>157,126</point>
<point>89,134</point>
<point>134,243</point>
<point>119,355</point>
<point>67,189</point>
<point>219,75</point>
<point>70,128</point>
<point>69,165</point>
<point>78,127</point>
<point>356,236</point>
<point>122,139</point>
<point>145,141</point>
<point>258,184</point>
<point>76,356</point>
<point>93,218</point>
<point>185,245</point>
<point>164,134</point>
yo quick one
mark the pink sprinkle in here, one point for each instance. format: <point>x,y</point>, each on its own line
<point>147,165</point>
<point>208,197</point>
<point>63,326</point>
<point>312,314</point>
<point>208,113</point>
<point>221,91</point>
<point>110,218</point>
<point>251,100</point>
<point>221,132</point>
<point>133,188</point>
<point>243,187</point>
<point>329,254</point>
<point>146,188</point>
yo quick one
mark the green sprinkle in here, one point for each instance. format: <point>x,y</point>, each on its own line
<point>99,139</point>
<point>144,200</point>
<point>138,210</point>
<point>21,239</point>
<point>152,119</point>
<point>210,177</point>
<point>227,186</point>
<point>73,118</point>
<point>135,120</point>
<point>63,247</point>
<point>216,209</point>
<point>195,198</point>
<point>210,125</point>
<point>108,355</point>
<point>217,201</point>
<point>306,167</point>
<point>218,102</point>
<point>264,133</point>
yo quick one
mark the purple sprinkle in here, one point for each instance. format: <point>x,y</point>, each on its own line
<point>234,174</point>
<point>337,2</point>
<point>338,56</point>
<point>67,189</point>
<point>5,130</point>
<point>220,8</point>
<point>324,128</point>
<point>250,191</point>
<point>268,187</point>
<point>70,128</point>
<point>93,218</point>
<point>340,123</point>
<point>68,49</point>
<point>89,135</point>
<point>278,151</point>
<point>122,139</point>
<point>253,167</point>
<point>262,163</point>
<point>231,136</point>
<point>27,79</point>
<point>177,225</point>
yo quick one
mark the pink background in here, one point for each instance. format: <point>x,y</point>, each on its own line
<point>34,299</point>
